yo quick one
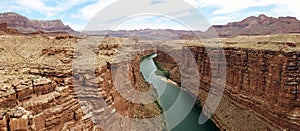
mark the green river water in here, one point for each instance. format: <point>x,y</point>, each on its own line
<point>173,104</point>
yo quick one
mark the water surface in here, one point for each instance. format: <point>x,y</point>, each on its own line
<point>174,105</point>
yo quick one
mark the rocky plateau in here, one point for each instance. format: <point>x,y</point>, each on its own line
<point>28,26</point>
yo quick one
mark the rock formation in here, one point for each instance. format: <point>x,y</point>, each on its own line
<point>261,82</point>
<point>6,30</point>
<point>251,26</point>
<point>38,89</point>
<point>26,25</point>
<point>41,90</point>
<point>261,25</point>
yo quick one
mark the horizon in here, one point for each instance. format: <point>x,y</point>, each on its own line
<point>77,13</point>
<point>145,28</point>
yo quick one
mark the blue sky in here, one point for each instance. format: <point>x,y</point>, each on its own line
<point>77,13</point>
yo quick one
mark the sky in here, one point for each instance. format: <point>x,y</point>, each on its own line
<point>113,14</point>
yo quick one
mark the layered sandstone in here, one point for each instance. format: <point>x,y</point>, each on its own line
<point>25,25</point>
<point>41,90</point>
<point>260,25</point>
<point>46,83</point>
<point>261,81</point>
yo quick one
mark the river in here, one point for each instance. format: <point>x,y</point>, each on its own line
<point>173,104</point>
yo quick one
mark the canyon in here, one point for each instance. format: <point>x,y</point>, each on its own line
<point>262,81</point>
<point>40,90</point>
<point>45,85</point>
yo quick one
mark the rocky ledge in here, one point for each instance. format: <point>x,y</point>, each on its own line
<point>262,80</point>
<point>46,82</point>
<point>41,90</point>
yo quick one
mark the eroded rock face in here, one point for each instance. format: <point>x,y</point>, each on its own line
<point>40,88</point>
<point>260,84</point>
<point>25,25</point>
<point>261,25</point>
<point>19,119</point>
<point>41,105</point>
<point>8,97</point>
<point>40,97</point>
<point>48,94</point>
<point>53,25</point>
<point>4,29</point>
<point>3,26</point>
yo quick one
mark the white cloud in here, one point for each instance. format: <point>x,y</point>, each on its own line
<point>194,3</point>
<point>154,23</point>
<point>125,9</point>
<point>287,8</point>
<point>231,6</point>
<point>235,10</point>
<point>89,11</point>
<point>49,11</point>
<point>37,5</point>
<point>77,27</point>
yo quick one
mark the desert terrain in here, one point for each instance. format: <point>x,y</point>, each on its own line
<point>52,78</point>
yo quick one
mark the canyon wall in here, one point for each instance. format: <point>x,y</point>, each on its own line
<point>261,87</point>
<point>40,90</point>
<point>44,100</point>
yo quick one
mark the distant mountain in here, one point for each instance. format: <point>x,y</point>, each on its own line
<point>25,25</point>
<point>148,34</point>
<point>261,25</point>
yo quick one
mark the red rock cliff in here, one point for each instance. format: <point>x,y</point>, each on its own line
<point>261,83</point>
<point>48,94</point>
